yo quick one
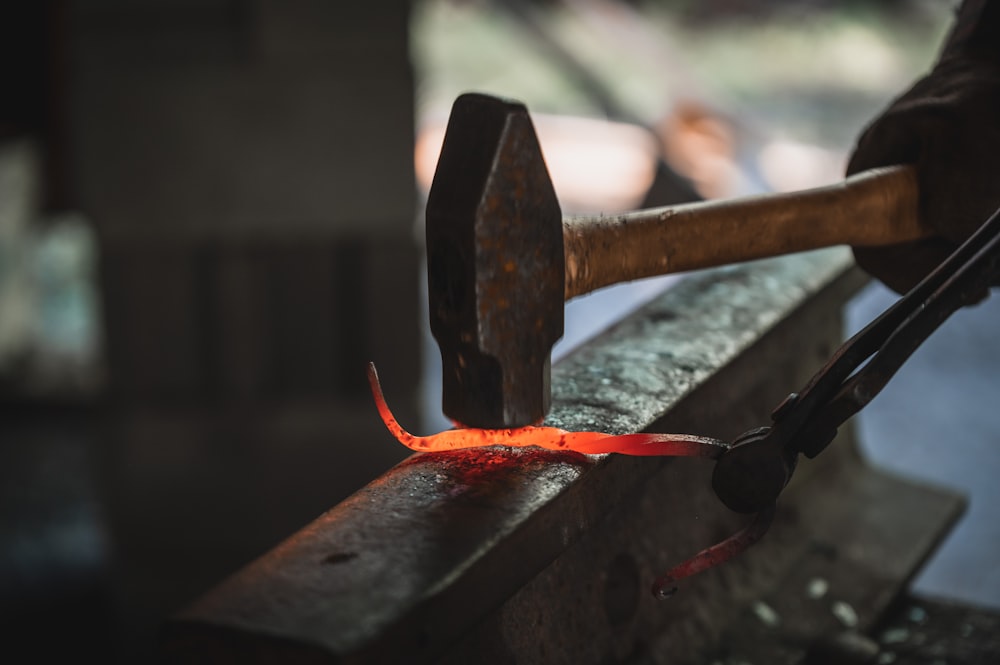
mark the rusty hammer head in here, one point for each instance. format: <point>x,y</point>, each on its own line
<point>495,266</point>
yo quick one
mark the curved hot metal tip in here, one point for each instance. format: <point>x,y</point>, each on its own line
<point>665,585</point>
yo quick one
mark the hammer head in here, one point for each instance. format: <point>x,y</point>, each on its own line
<point>495,266</point>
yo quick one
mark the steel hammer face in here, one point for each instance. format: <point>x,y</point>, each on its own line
<point>495,266</point>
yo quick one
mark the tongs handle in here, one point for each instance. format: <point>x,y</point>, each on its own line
<point>752,474</point>
<point>842,389</point>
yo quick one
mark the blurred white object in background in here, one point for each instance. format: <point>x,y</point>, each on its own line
<point>49,313</point>
<point>595,165</point>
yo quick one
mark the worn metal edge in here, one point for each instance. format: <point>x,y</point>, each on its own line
<point>637,370</point>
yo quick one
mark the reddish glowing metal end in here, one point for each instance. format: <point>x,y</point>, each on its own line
<point>710,557</point>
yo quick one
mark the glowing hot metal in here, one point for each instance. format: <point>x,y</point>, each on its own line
<point>590,443</point>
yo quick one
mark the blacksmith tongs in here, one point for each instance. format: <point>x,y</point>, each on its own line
<point>749,476</point>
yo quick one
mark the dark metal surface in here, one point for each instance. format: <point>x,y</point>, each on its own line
<point>841,549</point>
<point>495,266</point>
<point>376,577</point>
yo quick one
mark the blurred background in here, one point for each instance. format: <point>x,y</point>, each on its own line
<point>210,220</point>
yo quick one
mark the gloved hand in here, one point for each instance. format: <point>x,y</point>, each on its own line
<point>948,126</point>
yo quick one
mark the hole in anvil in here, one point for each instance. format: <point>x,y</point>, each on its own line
<point>340,557</point>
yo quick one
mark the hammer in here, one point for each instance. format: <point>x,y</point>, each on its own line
<point>502,260</point>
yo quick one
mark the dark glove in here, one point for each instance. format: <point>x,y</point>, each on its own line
<point>948,126</point>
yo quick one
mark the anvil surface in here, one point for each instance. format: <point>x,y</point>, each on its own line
<point>502,555</point>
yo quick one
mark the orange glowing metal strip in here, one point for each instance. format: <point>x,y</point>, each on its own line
<point>592,443</point>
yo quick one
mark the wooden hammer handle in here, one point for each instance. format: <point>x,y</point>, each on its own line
<point>876,207</point>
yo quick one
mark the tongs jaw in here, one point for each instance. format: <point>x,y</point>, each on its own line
<point>751,475</point>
